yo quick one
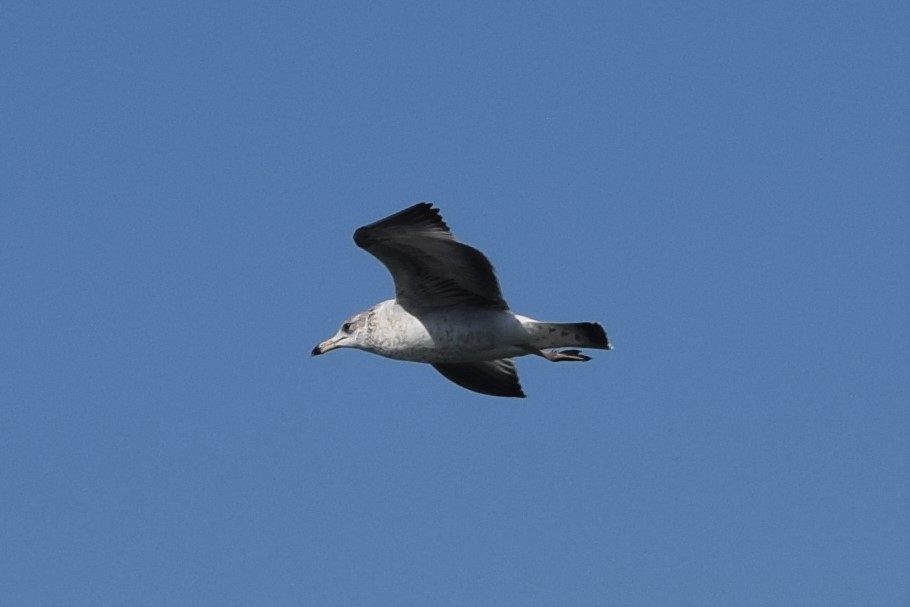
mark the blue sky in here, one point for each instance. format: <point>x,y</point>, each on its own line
<point>724,186</point>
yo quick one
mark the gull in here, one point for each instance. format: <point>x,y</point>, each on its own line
<point>448,309</point>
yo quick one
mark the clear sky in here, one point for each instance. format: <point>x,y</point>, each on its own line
<point>725,186</point>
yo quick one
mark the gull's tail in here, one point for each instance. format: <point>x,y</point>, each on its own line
<point>561,335</point>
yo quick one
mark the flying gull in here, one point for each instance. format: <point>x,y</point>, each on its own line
<point>448,310</point>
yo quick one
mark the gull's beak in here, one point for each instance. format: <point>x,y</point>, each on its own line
<point>327,345</point>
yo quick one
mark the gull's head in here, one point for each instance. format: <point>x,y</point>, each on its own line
<point>352,334</point>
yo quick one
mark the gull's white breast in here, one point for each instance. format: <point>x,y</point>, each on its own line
<point>442,336</point>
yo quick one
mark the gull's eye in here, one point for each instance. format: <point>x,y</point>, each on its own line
<point>347,327</point>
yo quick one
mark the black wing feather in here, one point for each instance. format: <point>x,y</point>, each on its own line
<point>430,268</point>
<point>493,377</point>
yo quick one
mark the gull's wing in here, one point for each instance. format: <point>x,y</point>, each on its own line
<point>430,268</point>
<point>493,377</point>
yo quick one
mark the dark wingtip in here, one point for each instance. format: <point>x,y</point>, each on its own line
<point>316,351</point>
<point>361,237</point>
<point>420,215</point>
<point>518,392</point>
